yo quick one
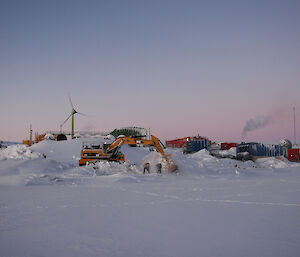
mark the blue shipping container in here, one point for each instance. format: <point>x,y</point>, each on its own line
<point>196,145</point>
<point>248,151</point>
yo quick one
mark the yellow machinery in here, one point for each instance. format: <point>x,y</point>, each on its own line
<point>111,152</point>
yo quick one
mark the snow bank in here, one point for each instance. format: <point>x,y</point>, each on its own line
<point>202,163</point>
<point>227,153</point>
<point>272,162</point>
<point>110,168</point>
<point>36,171</point>
<point>49,137</point>
<point>21,165</point>
<point>18,152</point>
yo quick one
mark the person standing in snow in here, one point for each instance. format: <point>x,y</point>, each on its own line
<point>147,167</point>
<point>158,167</point>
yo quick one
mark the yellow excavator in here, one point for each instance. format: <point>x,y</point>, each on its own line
<point>111,152</point>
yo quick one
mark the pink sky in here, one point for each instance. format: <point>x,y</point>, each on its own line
<point>180,69</point>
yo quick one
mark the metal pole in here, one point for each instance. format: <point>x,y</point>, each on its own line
<point>294,126</point>
<point>30,138</point>
<point>72,136</point>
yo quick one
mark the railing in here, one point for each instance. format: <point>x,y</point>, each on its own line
<point>82,133</point>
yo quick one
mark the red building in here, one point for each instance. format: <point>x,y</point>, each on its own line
<point>294,155</point>
<point>181,142</point>
<point>227,146</point>
<point>178,143</point>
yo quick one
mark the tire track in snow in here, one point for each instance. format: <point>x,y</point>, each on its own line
<point>158,198</point>
<point>174,198</point>
<point>245,202</point>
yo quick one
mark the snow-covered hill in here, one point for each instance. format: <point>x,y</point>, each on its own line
<point>211,207</point>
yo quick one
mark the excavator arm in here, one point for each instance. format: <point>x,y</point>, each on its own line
<point>127,141</point>
<point>158,146</point>
<point>115,146</point>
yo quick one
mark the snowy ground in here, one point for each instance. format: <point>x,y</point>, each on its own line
<point>211,207</point>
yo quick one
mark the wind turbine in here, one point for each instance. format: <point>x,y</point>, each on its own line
<point>73,112</point>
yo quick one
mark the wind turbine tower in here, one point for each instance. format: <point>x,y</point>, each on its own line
<point>73,112</point>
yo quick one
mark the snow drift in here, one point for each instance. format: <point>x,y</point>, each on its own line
<point>18,152</point>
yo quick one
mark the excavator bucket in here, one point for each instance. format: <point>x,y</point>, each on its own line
<point>172,167</point>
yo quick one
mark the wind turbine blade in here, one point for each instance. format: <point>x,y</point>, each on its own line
<point>71,102</point>
<point>83,114</point>
<point>66,119</point>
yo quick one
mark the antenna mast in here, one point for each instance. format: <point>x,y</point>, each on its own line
<point>294,125</point>
<point>30,138</point>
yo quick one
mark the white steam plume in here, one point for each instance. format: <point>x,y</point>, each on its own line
<point>256,123</point>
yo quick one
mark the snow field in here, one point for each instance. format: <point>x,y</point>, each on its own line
<point>211,207</point>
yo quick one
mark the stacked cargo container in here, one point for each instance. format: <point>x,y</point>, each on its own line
<point>252,151</point>
<point>189,144</point>
<point>196,145</point>
<point>244,151</point>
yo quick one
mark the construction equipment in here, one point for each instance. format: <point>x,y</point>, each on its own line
<point>111,152</point>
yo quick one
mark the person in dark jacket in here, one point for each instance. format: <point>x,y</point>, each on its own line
<point>147,167</point>
<point>158,167</point>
